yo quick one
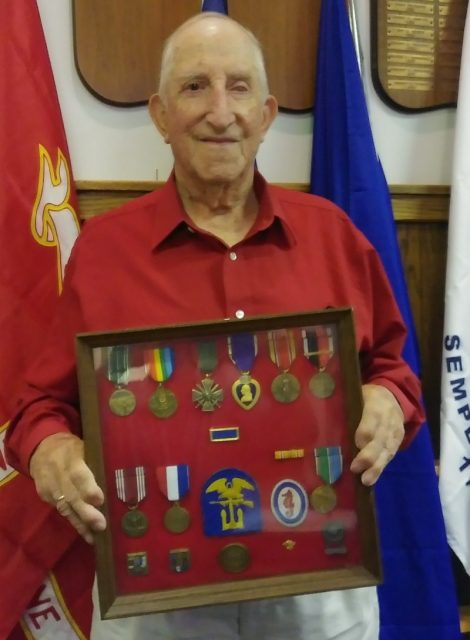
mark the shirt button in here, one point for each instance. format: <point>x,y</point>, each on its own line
<point>233,255</point>
<point>239,313</point>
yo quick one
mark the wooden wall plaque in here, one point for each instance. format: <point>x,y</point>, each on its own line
<point>416,50</point>
<point>118,44</point>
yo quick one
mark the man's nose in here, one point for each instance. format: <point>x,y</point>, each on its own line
<point>220,113</point>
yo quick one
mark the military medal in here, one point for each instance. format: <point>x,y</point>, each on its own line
<point>207,395</point>
<point>242,350</point>
<point>122,401</point>
<point>173,481</point>
<point>323,499</point>
<point>329,467</point>
<point>318,349</point>
<point>285,387</point>
<point>131,489</point>
<point>234,557</point>
<point>161,363</point>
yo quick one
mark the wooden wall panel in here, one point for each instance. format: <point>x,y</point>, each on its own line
<point>423,248</point>
<point>118,45</point>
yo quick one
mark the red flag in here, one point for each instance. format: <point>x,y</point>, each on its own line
<point>38,226</point>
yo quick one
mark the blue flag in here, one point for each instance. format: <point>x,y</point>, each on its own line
<point>215,5</point>
<point>417,599</point>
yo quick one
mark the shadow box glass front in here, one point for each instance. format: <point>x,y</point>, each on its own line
<point>223,450</point>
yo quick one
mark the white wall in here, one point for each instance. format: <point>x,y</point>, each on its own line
<point>111,143</point>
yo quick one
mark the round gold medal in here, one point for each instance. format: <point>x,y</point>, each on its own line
<point>122,402</point>
<point>285,387</point>
<point>134,523</point>
<point>323,498</point>
<point>177,519</point>
<point>322,385</point>
<point>163,403</point>
<point>234,557</point>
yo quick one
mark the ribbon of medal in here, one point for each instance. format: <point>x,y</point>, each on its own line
<point>131,489</point>
<point>173,482</point>
<point>318,346</point>
<point>242,350</point>
<point>207,395</point>
<point>285,387</point>
<point>122,401</point>
<point>161,363</point>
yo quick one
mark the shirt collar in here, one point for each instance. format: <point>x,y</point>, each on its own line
<point>173,215</point>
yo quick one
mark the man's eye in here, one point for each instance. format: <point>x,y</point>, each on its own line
<point>240,87</point>
<point>193,86</point>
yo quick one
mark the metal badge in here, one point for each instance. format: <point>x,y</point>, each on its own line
<point>246,391</point>
<point>234,557</point>
<point>176,519</point>
<point>180,560</point>
<point>137,563</point>
<point>323,499</point>
<point>322,385</point>
<point>134,523</point>
<point>122,402</point>
<point>285,388</point>
<point>163,402</point>
<point>289,503</point>
<point>207,395</point>
<point>334,537</point>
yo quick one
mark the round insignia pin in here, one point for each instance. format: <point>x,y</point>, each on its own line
<point>289,503</point>
<point>122,402</point>
<point>234,557</point>
<point>323,499</point>
<point>285,388</point>
<point>134,523</point>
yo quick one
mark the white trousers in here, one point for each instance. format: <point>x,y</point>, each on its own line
<point>336,615</point>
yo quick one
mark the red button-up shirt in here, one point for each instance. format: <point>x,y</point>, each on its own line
<point>147,264</point>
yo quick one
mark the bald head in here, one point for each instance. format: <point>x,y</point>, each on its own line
<point>206,23</point>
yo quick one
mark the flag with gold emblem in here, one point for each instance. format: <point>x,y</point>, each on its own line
<point>38,226</point>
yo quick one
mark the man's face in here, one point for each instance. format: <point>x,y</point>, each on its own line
<point>213,112</point>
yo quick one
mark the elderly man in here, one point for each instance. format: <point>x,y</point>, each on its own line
<point>206,246</point>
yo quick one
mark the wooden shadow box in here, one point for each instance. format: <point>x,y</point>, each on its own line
<point>223,450</point>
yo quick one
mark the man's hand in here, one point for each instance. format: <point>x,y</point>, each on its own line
<point>62,479</point>
<point>379,434</point>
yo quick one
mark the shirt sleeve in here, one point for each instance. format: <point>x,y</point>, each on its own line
<point>381,357</point>
<point>48,402</point>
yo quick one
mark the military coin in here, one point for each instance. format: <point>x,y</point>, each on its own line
<point>234,557</point>
<point>285,387</point>
<point>134,523</point>
<point>322,385</point>
<point>323,498</point>
<point>122,402</point>
<point>163,403</point>
<point>176,519</point>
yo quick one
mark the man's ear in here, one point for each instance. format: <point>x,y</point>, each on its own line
<point>270,110</point>
<point>157,112</point>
